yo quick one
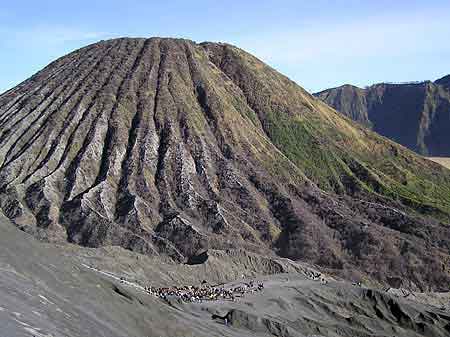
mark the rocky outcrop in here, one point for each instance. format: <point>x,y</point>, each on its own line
<point>171,148</point>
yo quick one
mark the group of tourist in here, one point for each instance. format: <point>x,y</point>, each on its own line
<point>316,276</point>
<point>204,292</point>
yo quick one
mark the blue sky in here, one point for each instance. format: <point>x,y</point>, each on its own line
<point>318,44</point>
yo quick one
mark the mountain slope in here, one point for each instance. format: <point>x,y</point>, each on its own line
<point>416,115</point>
<point>169,148</point>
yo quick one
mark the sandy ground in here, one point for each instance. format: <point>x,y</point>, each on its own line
<point>444,161</point>
<point>45,291</point>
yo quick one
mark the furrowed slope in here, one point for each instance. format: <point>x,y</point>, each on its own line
<point>167,147</point>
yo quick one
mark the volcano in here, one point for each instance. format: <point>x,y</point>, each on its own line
<point>170,148</point>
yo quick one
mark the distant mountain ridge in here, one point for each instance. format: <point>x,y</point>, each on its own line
<point>414,114</point>
<point>444,81</point>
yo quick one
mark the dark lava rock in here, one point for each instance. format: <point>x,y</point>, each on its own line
<point>198,258</point>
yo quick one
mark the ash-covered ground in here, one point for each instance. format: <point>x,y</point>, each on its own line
<point>48,290</point>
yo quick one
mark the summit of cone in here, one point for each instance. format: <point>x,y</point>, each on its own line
<point>170,148</point>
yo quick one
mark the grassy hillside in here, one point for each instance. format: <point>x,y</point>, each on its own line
<point>336,153</point>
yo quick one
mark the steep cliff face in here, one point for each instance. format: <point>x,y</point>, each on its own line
<point>168,147</point>
<point>444,81</point>
<point>349,100</point>
<point>416,115</point>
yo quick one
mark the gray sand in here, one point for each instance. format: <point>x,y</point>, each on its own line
<point>44,291</point>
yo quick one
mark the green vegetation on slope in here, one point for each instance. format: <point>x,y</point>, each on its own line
<point>337,163</point>
<point>336,153</point>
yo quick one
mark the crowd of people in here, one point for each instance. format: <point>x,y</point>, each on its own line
<point>204,292</point>
<point>316,276</point>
